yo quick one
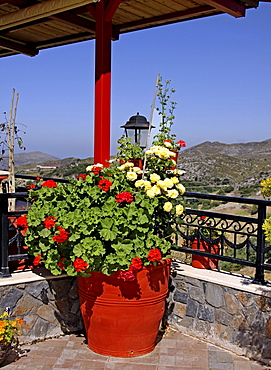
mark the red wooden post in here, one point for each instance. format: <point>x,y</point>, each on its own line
<point>102,86</point>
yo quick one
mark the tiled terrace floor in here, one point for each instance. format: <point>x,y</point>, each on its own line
<point>174,351</point>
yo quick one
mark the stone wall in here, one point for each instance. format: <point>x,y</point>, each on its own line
<point>49,307</point>
<point>230,317</point>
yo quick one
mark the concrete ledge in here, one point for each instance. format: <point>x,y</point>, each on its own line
<point>227,279</point>
<point>29,276</point>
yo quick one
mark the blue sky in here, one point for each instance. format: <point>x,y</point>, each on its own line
<point>220,67</point>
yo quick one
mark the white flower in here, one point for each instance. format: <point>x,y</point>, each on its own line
<point>90,168</point>
<point>178,172</point>
<point>129,164</point>
<point>154,177</point>
<point>181,188</point>
<point>172,193</point>
<point>179,209</point>
<point>172,154</point>
<point>132,176</point>
<point>149,152</point>
<point>167,207</point>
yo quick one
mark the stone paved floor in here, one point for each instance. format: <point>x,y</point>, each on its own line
<point>174,351</point>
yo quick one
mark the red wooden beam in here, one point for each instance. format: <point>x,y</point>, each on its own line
<point>102,86</point>
<point>228,6</point>
<point>103,13</point>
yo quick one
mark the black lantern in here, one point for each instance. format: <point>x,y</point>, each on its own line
<point>136,129</point>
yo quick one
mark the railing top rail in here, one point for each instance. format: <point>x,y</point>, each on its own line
<point>227,198</point>
<point>30,177</point>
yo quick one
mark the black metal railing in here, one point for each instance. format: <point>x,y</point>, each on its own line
<point>239,239</point>
<point>227,237</point>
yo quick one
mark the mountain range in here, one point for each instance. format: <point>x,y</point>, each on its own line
<point>214,162</point>
<point>208,163</point>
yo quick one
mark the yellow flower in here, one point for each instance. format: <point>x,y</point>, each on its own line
<point>137,170</point>
<point>173,162</point>
<point>167,207</point>
<point>156,190</point>
<point>162,185</point>
<point>132,176</point>
<point>178,172</point>
<point>167,144</point>
<point>175,180</point>
<point>172,154</point>
<point>139,183</point>
<point>122,167</point>
<point>149,152</point>
<point>164,153</point>
<point>169,183</point>
<point>128,165</point>
<point>150,193</point>
<point>172,193</point>
<point>147,185</point>
<point>179,209</point>
<point>181,188</point>
<point>154,177</point>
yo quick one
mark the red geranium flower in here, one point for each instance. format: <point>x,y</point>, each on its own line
<point>167,141</point>
<point>80,265</point>
<point>127,275</point>
<point>124,197</point>
<point>36,261</point>
<point>22,222</point>
<point>38,178</point>
<point>203,217</point>
<point>83,176</point>
<point>32,186</point>
<point>49,184</point>
<point>49,222</point>
<point>62,235</point>
<point>154,255</point>
<point>104,184</point>
<point>96,170</point>
<point>137,263</point>
<point>181,143</point>
<point>61,264</point>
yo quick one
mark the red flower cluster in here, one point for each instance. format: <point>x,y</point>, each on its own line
<point>104,184</point>
<point>62,235</point>
<point>137,264</point>
<point>49,184</point>
<point>154,255</point>
<point>83,176</point>
<point>124,197</point>
<point>38,178</point>
<point>32,186</point>
<point>181,143</point>
<point>129,275</point>
<point>49,222</point>
<point>36,261</point>
<point>80,265</point>
<point>61,264</point>
<point>22,222</point>
<point>96,170</point>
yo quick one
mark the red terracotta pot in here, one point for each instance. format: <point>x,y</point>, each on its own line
<point>122,318</point>
<point>204,262</point>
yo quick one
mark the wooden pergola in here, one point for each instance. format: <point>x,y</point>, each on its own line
<point>28,26</point>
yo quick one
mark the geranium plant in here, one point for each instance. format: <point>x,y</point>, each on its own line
<point>110,219</point>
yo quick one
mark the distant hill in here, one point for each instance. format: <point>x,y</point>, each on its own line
<point>21,159</point>
<point>244,164</point>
